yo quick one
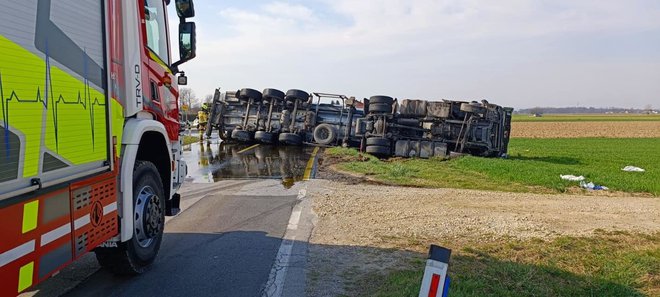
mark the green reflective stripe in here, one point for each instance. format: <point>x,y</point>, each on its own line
<point>25,276</point>
<point>117,122</point>
<point>50,107</point>
<point>30,215</point>
<point>24,97</point>
<point>76,126</point>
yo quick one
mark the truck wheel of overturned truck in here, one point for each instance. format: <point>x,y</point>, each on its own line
<point>247,94</point>
<point>222,133</point>
<point>241,135</point>
<point>467,107</point>
<point>325,134</point>
<point>135,255</point>
<point>379,141</point>
<point>379,151</point>
<point>290,139</point>
<point>380,108</point>
<point>381,100</point>
<point>270,94</point>
<point>293,95</point>
<point>264,137</point>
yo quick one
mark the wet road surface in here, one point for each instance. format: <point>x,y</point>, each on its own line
<point>237,203</point>
<point>212,161</point>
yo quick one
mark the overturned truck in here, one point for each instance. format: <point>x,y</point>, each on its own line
<point>383,126</point>
<point>420,128</point>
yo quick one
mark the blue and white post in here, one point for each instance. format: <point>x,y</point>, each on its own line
<point>436,281</point>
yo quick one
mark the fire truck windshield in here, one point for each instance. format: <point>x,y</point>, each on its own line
<point>156,29</point>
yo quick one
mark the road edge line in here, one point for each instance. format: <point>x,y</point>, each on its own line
<point>274,287</point>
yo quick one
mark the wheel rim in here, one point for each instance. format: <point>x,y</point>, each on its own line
<point>147,216</point>
<point>324,134</point>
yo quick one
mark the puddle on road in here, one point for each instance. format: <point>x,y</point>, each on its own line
<point>214,160</point>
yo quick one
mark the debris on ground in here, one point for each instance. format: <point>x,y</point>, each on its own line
<point>570,177</point>
<point>592,186</point>
<point>632,169</point>
<point>583,184</point>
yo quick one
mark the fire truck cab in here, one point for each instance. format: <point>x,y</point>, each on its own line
<point>90,155</point>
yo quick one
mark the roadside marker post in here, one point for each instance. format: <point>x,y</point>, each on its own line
<point>436,281</point>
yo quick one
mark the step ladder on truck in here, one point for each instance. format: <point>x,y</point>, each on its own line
<point>90,155</point>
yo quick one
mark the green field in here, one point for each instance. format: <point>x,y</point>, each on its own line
<point>607,264</point>
<point>586,118</point>
<point>534,165</point>
<point>187,139</point>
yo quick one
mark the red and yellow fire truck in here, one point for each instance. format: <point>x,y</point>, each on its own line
<point>90,155</point>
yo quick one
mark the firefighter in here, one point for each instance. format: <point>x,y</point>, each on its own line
<point>203,118</point>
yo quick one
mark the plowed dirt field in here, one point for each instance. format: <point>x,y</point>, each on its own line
<point>585,129</point>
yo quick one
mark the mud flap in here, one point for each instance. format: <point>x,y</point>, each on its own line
<point>173,206</point>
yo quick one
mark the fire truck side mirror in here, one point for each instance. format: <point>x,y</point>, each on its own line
<point>185,9</point>
<point>187,45</point>
<point>182,80</point>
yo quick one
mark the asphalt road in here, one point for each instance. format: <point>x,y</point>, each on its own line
<point>224,243</point>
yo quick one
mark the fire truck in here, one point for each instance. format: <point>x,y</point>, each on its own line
<point>90,155</point>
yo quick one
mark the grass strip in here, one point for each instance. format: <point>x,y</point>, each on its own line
<point>534,165</point>
<point>187,139</point>
<point>607,264</point>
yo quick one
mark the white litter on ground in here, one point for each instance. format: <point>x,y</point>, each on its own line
<point>592,186</point>
<point>572,177</point>
<point>632,169</point>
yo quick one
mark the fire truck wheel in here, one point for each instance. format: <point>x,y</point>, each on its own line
<point>290,139</point>
<point>380,108</point>
<point>379,141</point>
<point>325,134</point>
<point>378,151</point>
<point>135,255</point>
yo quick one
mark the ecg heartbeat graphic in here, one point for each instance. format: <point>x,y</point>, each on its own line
<point>85,100</point>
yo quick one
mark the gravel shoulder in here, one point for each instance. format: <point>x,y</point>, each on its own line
<point>375,224</point>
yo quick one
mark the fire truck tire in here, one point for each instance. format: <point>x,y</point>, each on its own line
<point>250,94</point>
<point>290,139</point>
<point>379,141</point>
<point>293,95</point>
<point>380,108</point>
<point>134,256</point>
<point>264,137</point>
<point>467,107</point>
<point>325,134</point>
<point>381,99</point>
<point>378,151</point>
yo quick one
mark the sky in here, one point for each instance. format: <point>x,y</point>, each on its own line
<point>517,53</point>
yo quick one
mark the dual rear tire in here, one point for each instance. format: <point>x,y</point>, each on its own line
<point>379,146</point>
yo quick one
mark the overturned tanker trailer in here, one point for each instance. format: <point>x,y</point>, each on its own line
<point>420,128</point>
<point>384,127</point>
